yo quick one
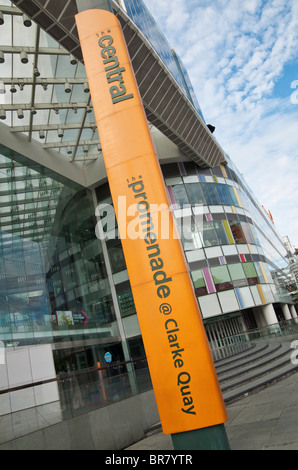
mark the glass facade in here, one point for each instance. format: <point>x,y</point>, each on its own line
<point>63,288</point>
<point>235,256</point>
<point>55,290</point>
<point>238,253</point>
<point>139,13</point>
<point>54,286</point>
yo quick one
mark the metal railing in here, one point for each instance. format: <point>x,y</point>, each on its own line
<point>82,391</point>
<point>234,344</point>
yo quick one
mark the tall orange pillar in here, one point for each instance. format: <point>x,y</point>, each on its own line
<point>185,384</point>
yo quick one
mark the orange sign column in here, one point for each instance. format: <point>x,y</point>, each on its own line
<point>181,367</point>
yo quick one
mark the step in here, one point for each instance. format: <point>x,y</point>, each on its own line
<point>267,374</point>
<point>235,394</point>
<point>249,374</point>
<point>229,350</point>
<point>258,349</point>
<point>266,364</point>
<point>272,353</point>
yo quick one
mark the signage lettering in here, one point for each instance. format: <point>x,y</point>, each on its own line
<point>156,263</point>
<point>162,280</point>
<point>113,70</point>
<point>176,345</point>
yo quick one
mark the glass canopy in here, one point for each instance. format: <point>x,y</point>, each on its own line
<point>44,92</point>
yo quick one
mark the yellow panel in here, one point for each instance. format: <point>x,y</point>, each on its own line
<point>229,232</point>
<point>261,294</point>
<point>263,272</point>
<point>182,371</point>
<point>223,171</point>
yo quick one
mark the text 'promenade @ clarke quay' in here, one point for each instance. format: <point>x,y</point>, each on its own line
<point>73,366</point>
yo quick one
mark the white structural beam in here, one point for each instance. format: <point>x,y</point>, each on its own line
<point>49,158</point>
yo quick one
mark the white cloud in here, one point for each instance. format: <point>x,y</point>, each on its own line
<point>235,52</point>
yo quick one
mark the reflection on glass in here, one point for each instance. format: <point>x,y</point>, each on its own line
<point>209,234</point>
<point>53,282</point>
<point>180,195</point>
<point>237,232</point>
<point>195,193</point>
<point>236,271</point>
<point>199,282</point>
<point>221,278</point>
<point>211,194</point>
<point>221,233</point>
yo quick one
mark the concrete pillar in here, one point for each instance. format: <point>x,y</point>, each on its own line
<point>259,317</point>
<point>270,318</point>
<point>269,314</point>
<point>293,311</point>
<point>286,312</point>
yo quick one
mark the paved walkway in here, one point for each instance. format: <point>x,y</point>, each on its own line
<point>267,420</point>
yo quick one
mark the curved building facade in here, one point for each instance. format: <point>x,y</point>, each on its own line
<point>235,256</point>
<point>68,323</point>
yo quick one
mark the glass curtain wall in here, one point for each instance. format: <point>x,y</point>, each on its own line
<point>54,289</point>
<point>53,284</point>
<point>139,13</point>
<point>234,253</point>
<point>238,249</point>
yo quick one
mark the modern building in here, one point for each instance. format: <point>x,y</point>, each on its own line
<point>68,323</point>
<point>292,281</point>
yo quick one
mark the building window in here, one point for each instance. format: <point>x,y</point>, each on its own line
<point>236,271</point>
<point>221,233</point>
<point>211,194</point>
<point>224,193</point>
<point>199,282</point>
<point>180,195</point>
<point>195,194</point>
<point>221,278</point>
<point>237,232</point>
<point>209,234</point>
<point>250,273</point>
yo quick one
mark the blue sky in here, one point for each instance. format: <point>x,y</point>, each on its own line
<point>242,57</point>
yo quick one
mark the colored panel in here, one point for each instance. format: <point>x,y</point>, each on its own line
<point>246,233</point>
<point>239,297</point>
<point>183,375</point>
<point>171,195</point>
<point>236,271</point>
<point>261,294</point>
<point>263,271</point>
<point>249,270</point>
<point>182,169</point>
<point>220,274</point>
<point>223,170</point>
<point>228,232</point>
<point>199,283</point>
<point>209,280</point>
<point>246,297</point>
